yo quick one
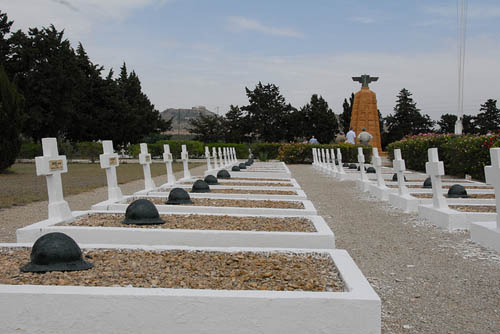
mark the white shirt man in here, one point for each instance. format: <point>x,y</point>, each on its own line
<point>351,137</point>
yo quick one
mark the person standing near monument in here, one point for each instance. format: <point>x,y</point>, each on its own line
<point>351,136</point>
<point>313,140</point>
<point>364,137</point>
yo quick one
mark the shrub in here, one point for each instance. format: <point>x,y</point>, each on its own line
<point>89,150</point>
<point>272,149</point>
<point>11,119</point>
<point>30,151</point>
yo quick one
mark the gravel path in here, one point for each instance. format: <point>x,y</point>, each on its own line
<point>429,281</point>
<point>13,218</point>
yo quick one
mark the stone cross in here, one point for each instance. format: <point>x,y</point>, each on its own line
<point>145,161</point>
<point>323,158</point>
<point>207,156</point>
<point>398,164</point>
<point>221,158</point>
<point>234,155</point>
<point>168,159</point>
<point>185,160</point>
<point>435,169</point>
<point>377,163</point>
<point>214,155</point>
<point>365,79</point>
<point>109,161</point>
<point>492,174</point>
<point>328,160</point>
<point>51,165</point>
<point>339,159</point>
<point>315,158</point>
<point>335,170</point>
<point>226,156</point>
<point>361,160</point>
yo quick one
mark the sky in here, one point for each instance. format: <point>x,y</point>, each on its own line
<point>205,52</point>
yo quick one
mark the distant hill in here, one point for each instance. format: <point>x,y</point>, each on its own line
<point>182,117</point>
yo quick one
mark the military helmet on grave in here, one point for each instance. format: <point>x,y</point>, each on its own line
<point>179,196</point>
<point>56,252</point>
<point>142,212</point>
<point>248,163</point>
<point>427,183</point>
<point>395,177</point>
<point>371,170</point>
<point>242,165</point>
<point>210,179</point>
<point>235,169</point>
<point>457,191</point>
<point>353,166</point>
<point>200,186</point>
<point>359,168</point>
<point>223,174</point>
<point>345,165</point>
<point>250,160</point>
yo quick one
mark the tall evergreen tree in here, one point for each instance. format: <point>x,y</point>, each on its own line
<point>11,118</point>
<point>208,128</point>
<point>236,124</point>
<point>345,117</point>
<point>320,119</point>
<point>407,118</point>
<point>489,118</point>
<point>267,112</point>
<point>447,123</point>
<point>5,26</point>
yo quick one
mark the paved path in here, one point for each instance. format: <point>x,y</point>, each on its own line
<point>430,281</point>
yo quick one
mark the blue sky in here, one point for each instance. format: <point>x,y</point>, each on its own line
<point>189,52</point>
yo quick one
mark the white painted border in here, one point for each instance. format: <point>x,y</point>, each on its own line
<point>309,209</point>
<point>300,193</point>
<point>486,234</point>
<point>450,219</point>
<point>74,309</point>
<point>322,238</point>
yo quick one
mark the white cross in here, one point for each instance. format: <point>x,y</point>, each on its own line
<point>234,155</point>
<point>339,159</point>
<point>492,174</point>
<point>328,164</point>
<point>361,161</point>
<point>51,165</point>
<point>435,169</point>
<point>145,161</point>
<point>185,161</point>
<point>315,159</point>
<point>207,156</point>
<point>398,164</point>
<point>335,170</point>
<point>168,159</point>
<point>214,155</point>
<point>109,161</point>
<point>323,160</point>
<point>221,158</point>
<point>377,163</point>
<point>226,158</point>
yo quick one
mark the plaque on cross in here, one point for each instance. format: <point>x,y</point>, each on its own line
<point>365,79</point>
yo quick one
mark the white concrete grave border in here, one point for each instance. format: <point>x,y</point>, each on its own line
<point>487,234</point>
<point>52,165</point>
<point>308,210</point>
<point>109,161</point>
<point>103,309</point>
<point>322,238</point>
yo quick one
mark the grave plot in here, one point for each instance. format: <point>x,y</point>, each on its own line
<point>279,184</point>
<point>243,170</point>
<point>216,290</point>
<point>187,229</point>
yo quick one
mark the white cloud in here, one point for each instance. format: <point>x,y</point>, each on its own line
<point>475,11</point>
<point>363,19</point>
<point>240,23</point>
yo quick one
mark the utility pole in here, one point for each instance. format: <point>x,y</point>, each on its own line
<point>462,28</point>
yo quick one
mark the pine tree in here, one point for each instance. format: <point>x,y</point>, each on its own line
<point>447,123</point>
<point>320,119</point>
<point>407,118</point>
<point>489,119</point>
<point>345,117</point>
<point>11,117</point>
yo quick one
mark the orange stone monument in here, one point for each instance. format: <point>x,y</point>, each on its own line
<point>365,111</point>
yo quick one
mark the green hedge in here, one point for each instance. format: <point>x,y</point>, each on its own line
<point>271,150</point>
<point>30,151</point>
<point>302,153</point>
<point>464,154</point>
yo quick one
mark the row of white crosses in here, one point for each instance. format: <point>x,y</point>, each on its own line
<point>325,159</point>
<point>226,157</point>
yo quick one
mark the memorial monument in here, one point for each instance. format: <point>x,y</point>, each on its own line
<point>365,111</point>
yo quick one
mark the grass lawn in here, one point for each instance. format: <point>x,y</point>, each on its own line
<point>20,185</point>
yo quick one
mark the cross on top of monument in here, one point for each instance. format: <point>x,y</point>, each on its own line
<point>365,79</point>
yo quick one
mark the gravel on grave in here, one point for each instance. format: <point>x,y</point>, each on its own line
<point>257,179</point>
<point>184,269</point>
<point>203,222</point>
<point>246,191</point>
<point>421,195</point>
<point>474,208</point>
<point>250,184</point>
<point>241,203</point>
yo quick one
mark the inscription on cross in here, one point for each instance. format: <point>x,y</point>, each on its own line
<point>435,169</point>
<point>109,161</point>
<point>377,163</point>
<point>185,162</point>
<point>492,174</point>
<point>398,164</point>
<point>361,160</point>
<point>51,165</point>
<point>168,159</point>
<point>145,161</point>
